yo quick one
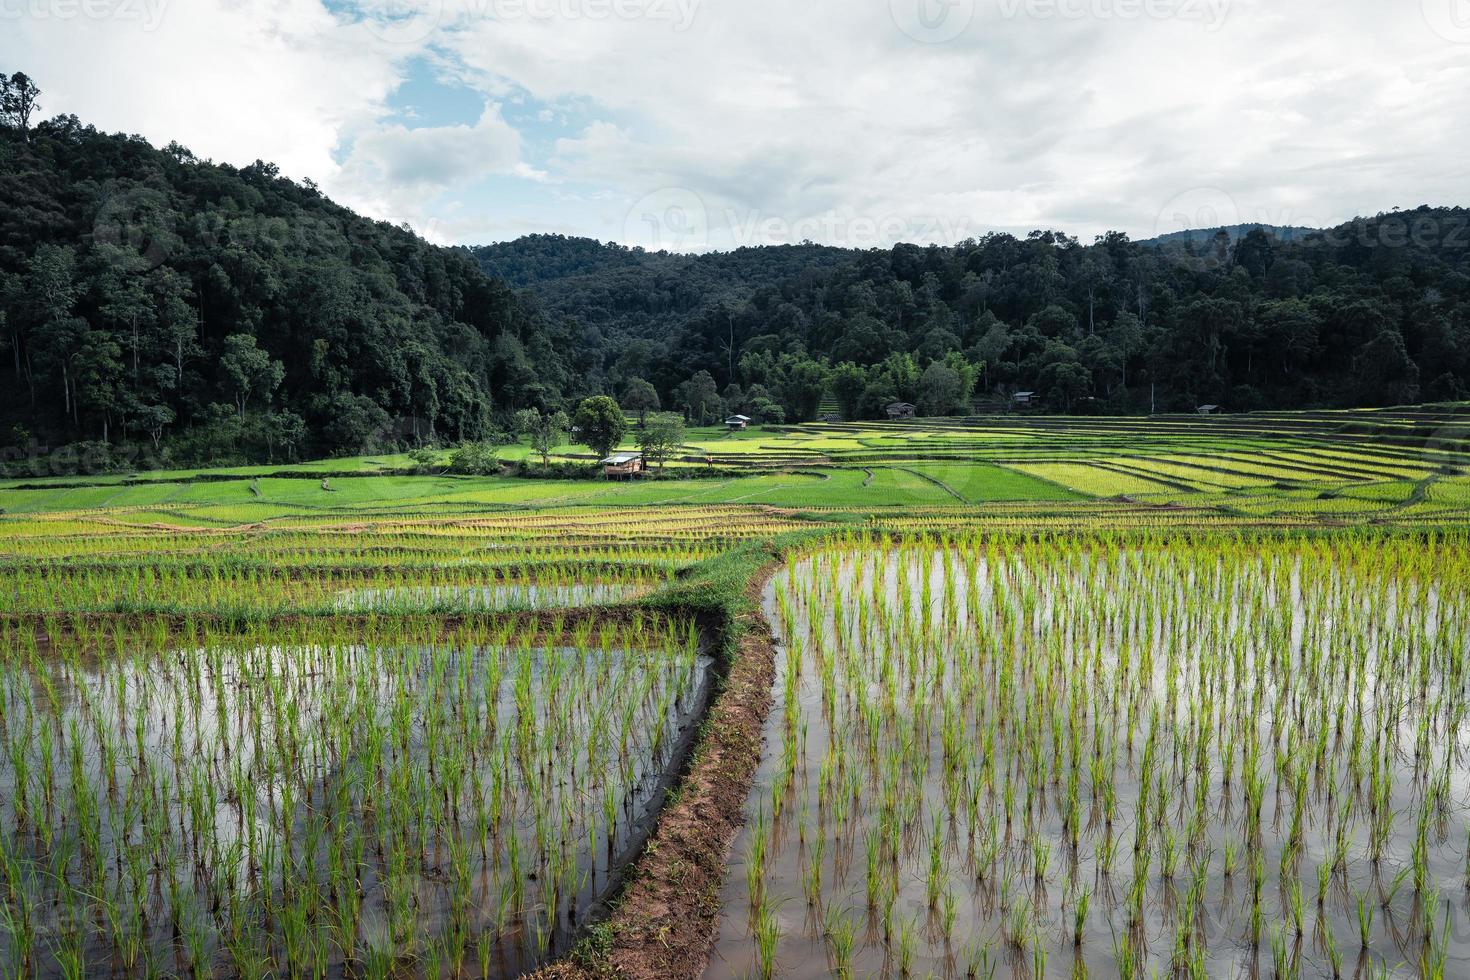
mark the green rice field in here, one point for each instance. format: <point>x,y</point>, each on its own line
<point>1140,757</point>
<point>1022,696</point>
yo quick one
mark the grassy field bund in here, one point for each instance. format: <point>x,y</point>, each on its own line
<point>1013,696</point>
<point>1324,464</point>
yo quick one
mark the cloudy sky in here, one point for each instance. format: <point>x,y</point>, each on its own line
<point>698,124</point>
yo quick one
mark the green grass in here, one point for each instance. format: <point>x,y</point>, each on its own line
<point>1239,462</point>
<point>798,489</point>
<point>978,483</point>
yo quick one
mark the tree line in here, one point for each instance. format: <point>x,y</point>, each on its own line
<point>203,313</point>
<point>1373,313</point>
<point>156,305</point>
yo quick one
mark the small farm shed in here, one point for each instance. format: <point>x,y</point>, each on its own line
<point>1024,399</point>
<point>902,410</point>
<point>623,465</point>
<point>1208,410</point>
<point>738,422</point>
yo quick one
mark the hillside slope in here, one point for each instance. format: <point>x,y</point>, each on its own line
<point>1375,312</point>
<point>225,313</point>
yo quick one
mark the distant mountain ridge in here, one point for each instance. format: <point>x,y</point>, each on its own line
<point>1202,236</point>
<point>1375,311</point>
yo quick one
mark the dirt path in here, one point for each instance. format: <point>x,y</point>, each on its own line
<point>664,924</point>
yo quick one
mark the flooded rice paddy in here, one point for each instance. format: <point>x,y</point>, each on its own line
<point>488,598</point>
<point>1068,759</point>
<point>341,809</point>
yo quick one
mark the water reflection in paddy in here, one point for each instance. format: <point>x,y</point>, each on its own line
<point>977,758</point>
<point>330,808</point>
<point>488,598</point>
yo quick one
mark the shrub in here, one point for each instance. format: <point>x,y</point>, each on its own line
<point>475,459</point>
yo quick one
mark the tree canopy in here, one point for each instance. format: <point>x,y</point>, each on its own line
<point>662,437</point>
<point>1245,317</point>
<point>600,424</point>
<point>214,314</point>
<point>155,303</point>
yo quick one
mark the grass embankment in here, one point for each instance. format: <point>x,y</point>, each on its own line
<point>662,925</point>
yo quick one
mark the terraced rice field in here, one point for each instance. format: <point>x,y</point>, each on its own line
<point>1124,696</point>
<point>1142,757</point>
<point>859,465</point>
<point>313,800</point>
<point>406,747</point>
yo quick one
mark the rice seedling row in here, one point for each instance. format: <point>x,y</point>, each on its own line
<point>1133,755</point>
<point>306,801</point>
<point>233,589</point>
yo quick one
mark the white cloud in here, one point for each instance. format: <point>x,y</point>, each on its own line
<point>1315,110</point>
<point>393,170</point>
<point>234,80</point>
<point>775,118</point>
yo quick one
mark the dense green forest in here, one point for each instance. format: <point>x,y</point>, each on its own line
<point>159,308</point>
<point>156,305</point>
<point>1376,312</point>
<point>1206,236</point>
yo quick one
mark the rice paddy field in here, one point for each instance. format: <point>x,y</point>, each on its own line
<point>385,749</point>
<point>300,801</point>
<point>993,697</point>
<point>1138,756</point>
<point>1371,462</point>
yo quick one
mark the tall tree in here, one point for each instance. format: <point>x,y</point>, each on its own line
<point>848,382</point>
<point>18,101</point>
<point>600,424</point>
<point>249,369</point>
<point>662,437</point>
<point>699,398</point>
<point>46,302</point>
<point>1385,374</point>
<point>545,429</point>
<point>641,397</point>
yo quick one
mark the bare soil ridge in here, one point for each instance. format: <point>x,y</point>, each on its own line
<point>664,925</point>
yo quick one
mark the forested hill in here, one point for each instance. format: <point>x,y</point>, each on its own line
<point>714,276</point>
<point>151,298</point>
<point>208,314</point>
<point>1200,237</point>
<point>1375,312</point>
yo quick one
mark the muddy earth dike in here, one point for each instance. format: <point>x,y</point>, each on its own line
<point>663,925</point>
